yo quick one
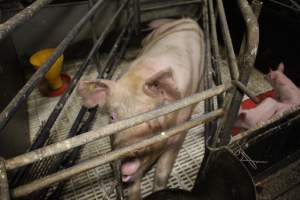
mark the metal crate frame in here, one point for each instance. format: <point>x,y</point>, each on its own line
<point>79,136</point>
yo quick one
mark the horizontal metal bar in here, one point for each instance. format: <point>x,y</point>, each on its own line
<point>21,17</point>
<point>26,90</point>
<point>94,162</point>
<point>91,136</point>
<point>248,92</point>
<point>4,188</point>
<point>170,5</point>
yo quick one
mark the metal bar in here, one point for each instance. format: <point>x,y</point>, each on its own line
<point>22,95</point>
<point>94,36</point>
<point>70,159</point>
<point>248,92</point>
<point>4,188</point>
<point>234,71</point>
<point>208,103</point>
<point>137,16</point>
<point>256,6</point>
<point>21,17</point>
<point>115,47</point>
<point>21,172</point>
<point>91,136</point>
<point>246,66</point>
<point>216,59</point>
<point>174,4</point>
<point>58,163</point>
<point>92,163</point>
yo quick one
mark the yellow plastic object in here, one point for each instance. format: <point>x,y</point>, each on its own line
<point>53,75</point>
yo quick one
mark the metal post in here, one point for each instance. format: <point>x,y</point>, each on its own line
<point>4,188</point>
<point>246,66</point>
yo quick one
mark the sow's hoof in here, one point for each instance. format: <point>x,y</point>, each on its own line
<point>173,194</point>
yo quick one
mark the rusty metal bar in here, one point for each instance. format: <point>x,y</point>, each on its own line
<point>92,163</point>
<point>248,92</point>
<point>4,188</point>
<point>26,90</point>
<point>256,6</point>
<point>170,5</point>
<point>247,64</point>
<point>21,17</point>
<point>85,138</point>
<point>216,59</point>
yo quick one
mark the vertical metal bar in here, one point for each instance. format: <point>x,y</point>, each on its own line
<point>137,16</point>
<point>256,6</point>
<point>216,59</point>
<point>4,188</point>
<point>94,37</point>
<point>234,71</point>
<point>26,90</point>
<point>246,63</point>
<point>208,103</point>
<point>21,17</point>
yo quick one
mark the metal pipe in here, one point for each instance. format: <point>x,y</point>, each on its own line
<point>94,36</point>
<point>170,5</point>
<point>21,17</point>
<point>208,103</point>
<point>91,136</point>
<point>137,16</point>
<point>246,66</point>
<point>94,162</point>
<point>256,6</point>
<point>248,92</point>
<point>234,71</point>
<point>216,59</point>
<point>4,188</point>
<point>26,90</point>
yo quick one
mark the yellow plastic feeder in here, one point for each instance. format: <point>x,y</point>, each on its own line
<point>56,82</point>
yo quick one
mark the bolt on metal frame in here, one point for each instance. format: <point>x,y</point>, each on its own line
<point>76,140</point>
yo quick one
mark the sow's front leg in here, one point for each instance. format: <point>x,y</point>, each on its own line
<point>166,161</point>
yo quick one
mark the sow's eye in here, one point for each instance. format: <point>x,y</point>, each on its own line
<point>113,117</point>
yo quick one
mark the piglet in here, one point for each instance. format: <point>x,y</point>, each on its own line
<point>287,91</point>
<point>288,96</point>
<point>169,67</point>
<point>250,118</point>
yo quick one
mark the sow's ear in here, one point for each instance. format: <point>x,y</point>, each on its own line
<point>94,92</point>
<point>162,85</point>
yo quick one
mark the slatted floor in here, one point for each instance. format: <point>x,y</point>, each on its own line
<point>98,183</point>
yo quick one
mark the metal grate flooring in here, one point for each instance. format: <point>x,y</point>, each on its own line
<point>98,183</point>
